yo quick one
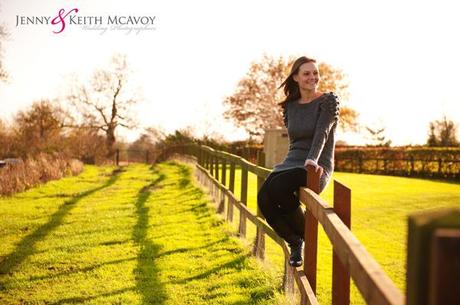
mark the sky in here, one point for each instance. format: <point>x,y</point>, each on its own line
<point>401,58</point>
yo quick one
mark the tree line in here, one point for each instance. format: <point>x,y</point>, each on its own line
<point>85,122</point>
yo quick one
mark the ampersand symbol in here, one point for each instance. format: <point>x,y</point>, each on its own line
<point>60,18</point>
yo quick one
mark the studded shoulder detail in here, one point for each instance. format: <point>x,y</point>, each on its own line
<point>331,104</point>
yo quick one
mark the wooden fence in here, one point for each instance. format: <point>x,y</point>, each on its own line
<point>126,156</point>
<point>350,258</point>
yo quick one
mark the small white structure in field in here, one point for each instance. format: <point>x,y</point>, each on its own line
<point>276,144</point>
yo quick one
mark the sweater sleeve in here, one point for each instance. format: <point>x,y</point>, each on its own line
<point>329,115</point>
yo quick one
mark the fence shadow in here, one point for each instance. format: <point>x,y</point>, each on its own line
<point>26,246</point>
<point>146,272</point>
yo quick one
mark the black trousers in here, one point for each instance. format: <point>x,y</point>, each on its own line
<point>276,196</point>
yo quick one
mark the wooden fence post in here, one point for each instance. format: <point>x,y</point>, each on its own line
<point>211,163</point>
<point>230,210</point>
<point>311,232</point>
<point>243,199</point>
<point>217,188</point>
<point>445,267</point>
<point>223,178</point>
<point>231,187</point>
<point>259,243</point>
<point>224,172</point>
<point>340,275</point>
<point>231,182</point>
<point>288,279</point>
<point>419,283</point>
<point>203,157</point>
<point>216,169</point>
<point>221,198</point>
<point>117,158</point>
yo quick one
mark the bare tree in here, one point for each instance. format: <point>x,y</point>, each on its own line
<point>377,136</point>
<point>105,102</point>
<point>155,133</point>
<point>442,133</point>
<point>254,105</point>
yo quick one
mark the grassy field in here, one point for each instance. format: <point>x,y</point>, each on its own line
<point>148,236</point>
<point>380,206</point>
<point>139,235</point>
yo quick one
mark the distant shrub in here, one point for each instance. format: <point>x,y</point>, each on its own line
<point>30,172</point>
<point>413,161</point>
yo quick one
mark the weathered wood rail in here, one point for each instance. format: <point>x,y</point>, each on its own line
<point>350,258</point>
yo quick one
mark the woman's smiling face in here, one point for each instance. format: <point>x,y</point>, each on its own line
<point>308,76</point>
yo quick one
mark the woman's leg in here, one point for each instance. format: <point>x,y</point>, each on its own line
<point>296,221</point>
<point>283,186</point>
<point>269,204</point>
<point>269,207</point>
<point>266,202</point>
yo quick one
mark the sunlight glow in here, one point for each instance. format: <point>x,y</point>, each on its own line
<point>400,57</point>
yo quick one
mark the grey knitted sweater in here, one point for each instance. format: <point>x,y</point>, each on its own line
<point>311,129</point>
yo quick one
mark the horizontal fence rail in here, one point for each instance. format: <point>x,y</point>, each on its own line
<point>350,259</point>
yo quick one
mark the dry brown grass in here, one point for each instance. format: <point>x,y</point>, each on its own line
<point>33,171</point>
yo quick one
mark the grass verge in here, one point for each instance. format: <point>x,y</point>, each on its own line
<point>137,236</point>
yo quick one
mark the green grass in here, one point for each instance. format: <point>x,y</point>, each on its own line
<point>138,236</point>
<point>380,206</point>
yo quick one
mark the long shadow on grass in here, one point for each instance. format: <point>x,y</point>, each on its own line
<point>26,246</point>
<point>79,270</point>
<point>185,175</point>
<point>236,265</point>
<point>146,272</point>
<point>232,267</point>
<point>190,249</point>
<point>74,300</point>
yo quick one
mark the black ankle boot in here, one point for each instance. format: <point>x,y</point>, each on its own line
<point>296,257</point>
<point>295,242</point>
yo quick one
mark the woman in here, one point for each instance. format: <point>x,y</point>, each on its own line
<point>311,118</point>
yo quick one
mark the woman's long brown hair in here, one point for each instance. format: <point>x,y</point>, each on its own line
<point>291,88</point>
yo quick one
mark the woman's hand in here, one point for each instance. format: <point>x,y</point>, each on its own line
<point>317,167</point>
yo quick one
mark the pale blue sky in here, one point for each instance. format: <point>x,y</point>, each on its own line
<point>401,57</point>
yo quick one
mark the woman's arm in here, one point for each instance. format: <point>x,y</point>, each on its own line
<point>329,115</point>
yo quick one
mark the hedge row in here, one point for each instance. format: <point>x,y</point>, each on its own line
<point>400,161</point>
<point>27,173</point>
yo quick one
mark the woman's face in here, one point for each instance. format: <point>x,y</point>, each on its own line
<point>308,76</point>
